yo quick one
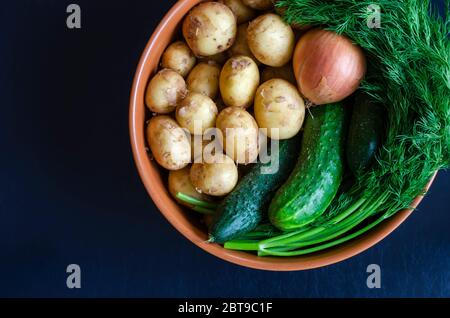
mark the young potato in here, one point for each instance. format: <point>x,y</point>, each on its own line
<point>210,28</point>
<point>180,182</point>
<point>240,134</point>
<point>215,178</point>
<point>196,113</point>
<point>204,79</point>
<point>240,46</point>
<point>259,4</point>
<point>168,142</point>
<point>178,57</point>
<point>285,72</point>
<point>164,91</point>
<point>271,40</point>
<point>239,80</point>
<point>240,10</point>
<point>278,104</point>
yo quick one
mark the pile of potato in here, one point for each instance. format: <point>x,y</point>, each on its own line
<point>231,72</point>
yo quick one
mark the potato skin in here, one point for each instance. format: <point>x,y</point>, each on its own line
<point>168,142</point>
<point>240,134</point>
<point>216,178</point>
<point>239,80</point>
<point>242,12</point>
<point>259,4</point>
<point>204,79</point>
<point>196,107</point>
<point>180,182</point>
<point>278,104</point>
<point>178,57</point>
<point>274,48</point>
<point>164,91</point>
<point>210,28</point>
<point>285,72</point>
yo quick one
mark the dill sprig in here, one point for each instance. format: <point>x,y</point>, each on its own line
<point>409,73</point>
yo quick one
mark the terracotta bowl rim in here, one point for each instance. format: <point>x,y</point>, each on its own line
<point>170,210</point>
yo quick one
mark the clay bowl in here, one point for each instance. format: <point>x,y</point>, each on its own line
<point>185,221</point>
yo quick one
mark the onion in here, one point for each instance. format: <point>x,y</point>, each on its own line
<point>328,67</point>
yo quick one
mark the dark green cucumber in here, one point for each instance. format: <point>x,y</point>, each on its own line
<point>365,133</point>
<point>318,174</point>
<point>243,209</point>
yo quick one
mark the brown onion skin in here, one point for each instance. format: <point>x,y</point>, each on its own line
<point>328,67</point>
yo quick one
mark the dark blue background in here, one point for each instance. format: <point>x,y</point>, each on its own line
<point>69,191</point>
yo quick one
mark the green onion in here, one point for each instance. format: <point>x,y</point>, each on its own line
<point>246,245</point>
<point>198,205</point>
<point>203,210</point>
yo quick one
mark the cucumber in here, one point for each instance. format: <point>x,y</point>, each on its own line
<point>365,133</point>
<point>318,174</point>
<point>243,209</point>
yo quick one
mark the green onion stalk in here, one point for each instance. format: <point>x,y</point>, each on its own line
<point>198,205</point>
